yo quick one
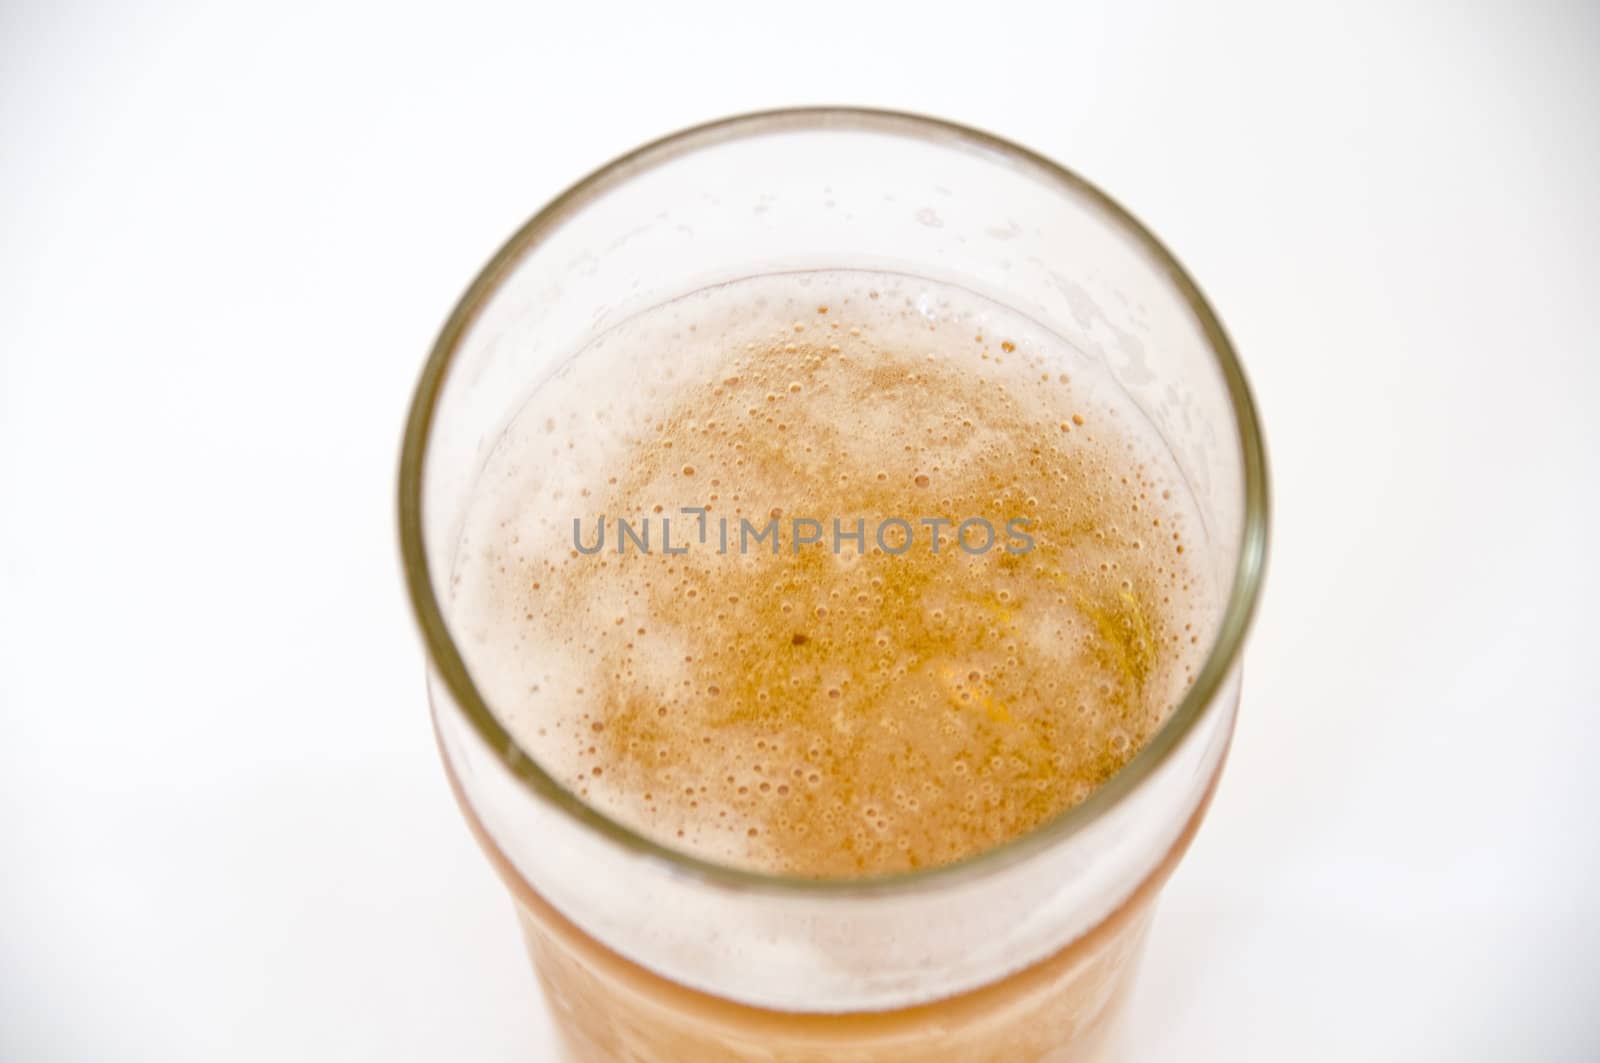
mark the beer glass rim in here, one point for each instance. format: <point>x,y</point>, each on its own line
<point>451,668</point>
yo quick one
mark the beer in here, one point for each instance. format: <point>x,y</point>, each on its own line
<point>1063,1009</point>
<point>830,575</point>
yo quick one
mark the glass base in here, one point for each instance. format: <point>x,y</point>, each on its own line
<point>1066,1008</point>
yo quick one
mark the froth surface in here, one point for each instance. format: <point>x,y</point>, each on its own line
<point>817,712</point>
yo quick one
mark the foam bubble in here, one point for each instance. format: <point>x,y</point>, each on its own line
<point>820,713</point>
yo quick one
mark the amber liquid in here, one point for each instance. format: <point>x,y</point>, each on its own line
<point>833,713</point>
<point>1063,1009</point>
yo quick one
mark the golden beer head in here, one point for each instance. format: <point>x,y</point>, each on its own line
<point>847,574</point>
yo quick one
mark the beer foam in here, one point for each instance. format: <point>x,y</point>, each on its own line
<point>815,712</point>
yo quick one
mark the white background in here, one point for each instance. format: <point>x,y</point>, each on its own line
<point>228,236</point>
